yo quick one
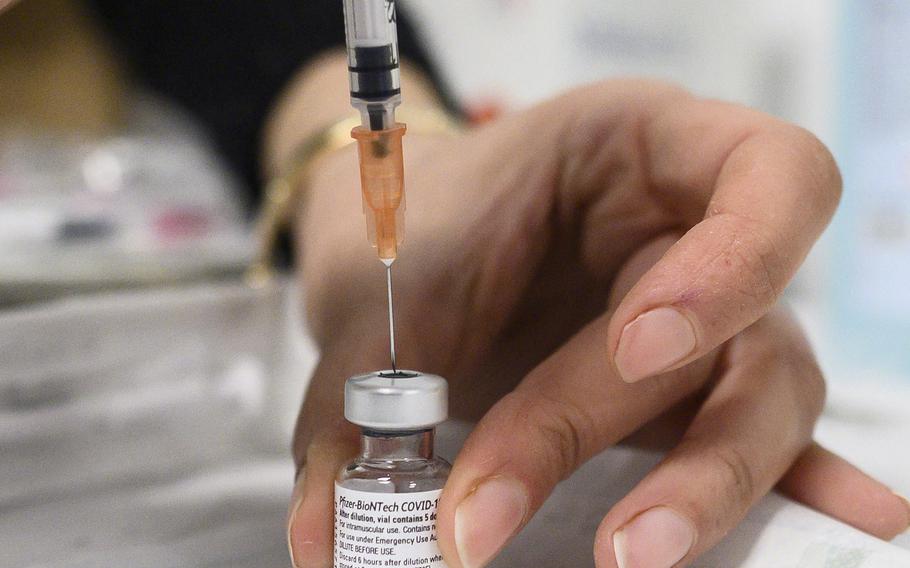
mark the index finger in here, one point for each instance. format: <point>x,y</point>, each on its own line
<point>757,193</point>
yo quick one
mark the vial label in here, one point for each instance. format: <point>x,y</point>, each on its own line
<point>386,529</point>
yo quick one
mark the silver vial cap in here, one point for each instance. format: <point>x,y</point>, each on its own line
<point>390,402</point>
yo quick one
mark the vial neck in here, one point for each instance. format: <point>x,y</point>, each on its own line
<point>398,445</point>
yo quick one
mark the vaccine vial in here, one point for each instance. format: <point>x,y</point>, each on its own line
<point>386,499</point>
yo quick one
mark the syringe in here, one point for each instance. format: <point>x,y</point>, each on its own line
<point>372,42</point>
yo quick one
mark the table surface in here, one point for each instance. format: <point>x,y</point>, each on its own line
<point>150,429</point>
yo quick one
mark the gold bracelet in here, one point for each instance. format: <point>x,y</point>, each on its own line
<point>283,192</point>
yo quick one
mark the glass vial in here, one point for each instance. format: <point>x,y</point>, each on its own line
<point>386,499</point>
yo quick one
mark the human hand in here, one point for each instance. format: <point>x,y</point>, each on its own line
<point>538,277</point>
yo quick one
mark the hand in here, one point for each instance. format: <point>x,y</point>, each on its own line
<point>554,260</point>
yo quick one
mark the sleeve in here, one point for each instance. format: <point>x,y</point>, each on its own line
<point>227,60</point>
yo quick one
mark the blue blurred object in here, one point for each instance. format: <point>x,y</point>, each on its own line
<point>870,281</point>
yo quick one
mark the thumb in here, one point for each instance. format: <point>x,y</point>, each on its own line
<point>323,443</point>
<point>310,523</point>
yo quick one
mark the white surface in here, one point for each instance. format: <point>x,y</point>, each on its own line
<point>150,430</point>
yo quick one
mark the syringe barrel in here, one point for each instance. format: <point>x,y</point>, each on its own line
<point>372,42</point>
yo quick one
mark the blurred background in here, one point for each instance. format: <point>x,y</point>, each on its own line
<point>147,394</point>
<point>838,68</point>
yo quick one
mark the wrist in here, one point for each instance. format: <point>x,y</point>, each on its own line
<point>316,96</point>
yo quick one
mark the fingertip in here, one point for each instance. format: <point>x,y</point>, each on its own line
<point>657,536</point>
<point>906,503</point>
<point>309,545</point>
<point>485,503</point>
<point>311,523</point>
<point>488,518</point>
<point>831,485</point>
<point>654,342</point>
<point>295,543</point>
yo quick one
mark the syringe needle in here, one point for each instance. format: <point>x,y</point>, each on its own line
<point>388,272</point>
<point>374,69</point>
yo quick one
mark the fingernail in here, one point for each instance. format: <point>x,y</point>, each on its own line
<point>296,495</point>
<point>487,519</point>
<point>653,342</point>
<point>296,502</point>
<point>658,538</point>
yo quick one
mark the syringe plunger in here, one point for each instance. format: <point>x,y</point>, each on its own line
<point>372,41</point>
